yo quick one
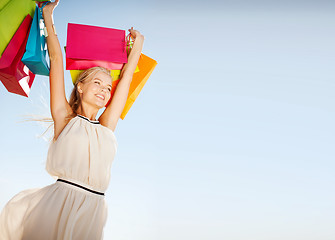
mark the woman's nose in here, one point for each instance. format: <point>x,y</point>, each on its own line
<point>104,88</point>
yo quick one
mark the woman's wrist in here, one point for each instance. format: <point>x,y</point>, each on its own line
<point>139,38</point>
<point>47,13</point>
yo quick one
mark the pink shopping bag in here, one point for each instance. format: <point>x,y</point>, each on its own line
<point>14,75</point>
<point>78,64</point>
<point>95,44</point>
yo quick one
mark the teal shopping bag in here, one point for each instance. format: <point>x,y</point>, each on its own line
<point>35,56</point>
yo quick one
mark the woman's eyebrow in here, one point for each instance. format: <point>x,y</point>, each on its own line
<point>102,81</point>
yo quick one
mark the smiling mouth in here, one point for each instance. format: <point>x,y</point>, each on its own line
<point>100,96</point>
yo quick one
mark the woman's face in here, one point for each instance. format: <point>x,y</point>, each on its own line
<point>96,91</point>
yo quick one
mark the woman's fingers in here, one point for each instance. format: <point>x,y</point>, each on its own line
<point>134,33</point>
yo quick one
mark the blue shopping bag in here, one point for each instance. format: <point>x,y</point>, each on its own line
<point>35,56</point>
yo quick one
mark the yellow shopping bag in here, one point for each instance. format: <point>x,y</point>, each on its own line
<point>114,73</point>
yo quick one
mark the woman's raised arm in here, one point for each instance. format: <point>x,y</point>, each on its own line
<point>112,113</point>
<point>59,105</point>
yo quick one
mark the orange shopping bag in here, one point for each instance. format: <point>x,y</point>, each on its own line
<point>146,66</point>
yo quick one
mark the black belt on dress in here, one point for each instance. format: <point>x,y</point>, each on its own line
<point>77,185</point>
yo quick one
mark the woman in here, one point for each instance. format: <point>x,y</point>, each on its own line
<point>80,154</point>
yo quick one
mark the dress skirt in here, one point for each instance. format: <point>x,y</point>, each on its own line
<point>57,212</point>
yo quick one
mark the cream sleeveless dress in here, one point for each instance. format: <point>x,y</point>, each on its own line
<point>82,154</point>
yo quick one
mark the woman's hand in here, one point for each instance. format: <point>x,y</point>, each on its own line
<point>135,34</point>
<point>49,8</point>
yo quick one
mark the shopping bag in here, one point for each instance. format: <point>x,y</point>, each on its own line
<point>12,13</point>
<point>146,66</point>
<point>114,73</point>
<point>14,75</point>
<point>80,64</point>
<point>76,64</point>
<point>95,43</point>
<point>75,74</point>
<point>35,56</point>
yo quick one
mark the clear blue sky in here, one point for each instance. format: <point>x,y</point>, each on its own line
<point>231,138</point>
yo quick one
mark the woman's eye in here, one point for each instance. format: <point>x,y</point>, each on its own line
<point>109,89</point>
<point>97,82</point>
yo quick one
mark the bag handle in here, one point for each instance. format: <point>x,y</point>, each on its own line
<point>41,5</point>
<point>130,43</point>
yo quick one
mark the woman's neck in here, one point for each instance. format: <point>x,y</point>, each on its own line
<point>87,112</point>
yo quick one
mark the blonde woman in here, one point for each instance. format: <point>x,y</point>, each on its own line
<point>79,156</point>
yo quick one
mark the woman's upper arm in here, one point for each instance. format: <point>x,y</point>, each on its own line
<point>59,106</point>
<point>58,99</point>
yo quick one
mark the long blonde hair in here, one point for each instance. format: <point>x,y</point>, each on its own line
<point>75,100</point>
